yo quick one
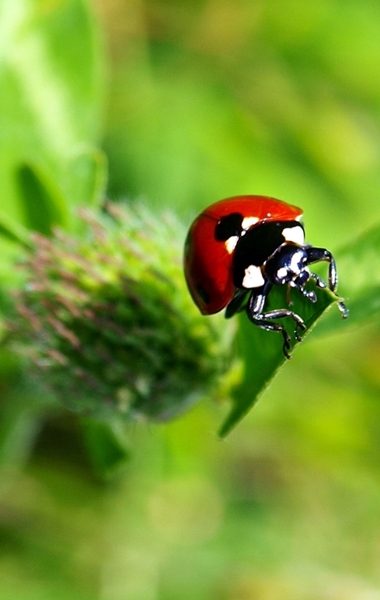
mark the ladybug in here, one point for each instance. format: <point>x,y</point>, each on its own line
<point>239,248</point>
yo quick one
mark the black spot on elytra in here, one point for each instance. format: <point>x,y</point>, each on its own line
<point>203,293</point>
<point>229,226</point>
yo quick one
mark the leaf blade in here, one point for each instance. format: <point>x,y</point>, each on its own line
<point>44,206</point>
<point>263,355</point>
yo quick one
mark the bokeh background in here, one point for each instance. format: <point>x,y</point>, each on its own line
<point>192,102</point>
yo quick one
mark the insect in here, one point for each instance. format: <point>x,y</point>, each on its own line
<point>239,248</point>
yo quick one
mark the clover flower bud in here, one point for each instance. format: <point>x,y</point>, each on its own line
<point>108,323</point>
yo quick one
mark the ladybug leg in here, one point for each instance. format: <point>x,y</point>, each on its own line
<point>261,322</point>
<point>312,296</point>
<point>321,254</point>
<point>319,282</point>
<point>264,320</point>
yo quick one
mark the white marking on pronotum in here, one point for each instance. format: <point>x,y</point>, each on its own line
<point>248,222</point>
<point>281,273</point>
<point>295,261</point>
<point>231,243</point>
<point>294,234</point>
<point>253,277</point>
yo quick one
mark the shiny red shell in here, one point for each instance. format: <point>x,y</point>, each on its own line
<point>208,263</point>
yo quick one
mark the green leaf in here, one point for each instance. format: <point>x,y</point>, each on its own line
<point>21,404</point>
<point>14,232</point>
<point>88,177</point>
<point>262,350</point>
<point>106,445</point>
<point>18,428</point>
<point>51,98</point>
<point>43,204</point>
<point>359,281</point>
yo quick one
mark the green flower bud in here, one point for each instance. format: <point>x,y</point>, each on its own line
<point>108,321</point>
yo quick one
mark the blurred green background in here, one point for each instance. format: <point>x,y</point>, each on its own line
<point>192,102</point>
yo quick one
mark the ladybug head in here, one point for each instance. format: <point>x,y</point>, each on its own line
<point>289,265</point>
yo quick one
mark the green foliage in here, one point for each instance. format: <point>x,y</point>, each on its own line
<point>43,206</point>
<point>263,353</point>
<point>205,100</point>
<point>49,111</point>
<point>359,267</point>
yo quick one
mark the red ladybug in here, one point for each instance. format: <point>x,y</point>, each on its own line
<point>246,245</point>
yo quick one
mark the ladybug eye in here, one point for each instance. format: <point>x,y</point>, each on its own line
<point>229,226</point>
